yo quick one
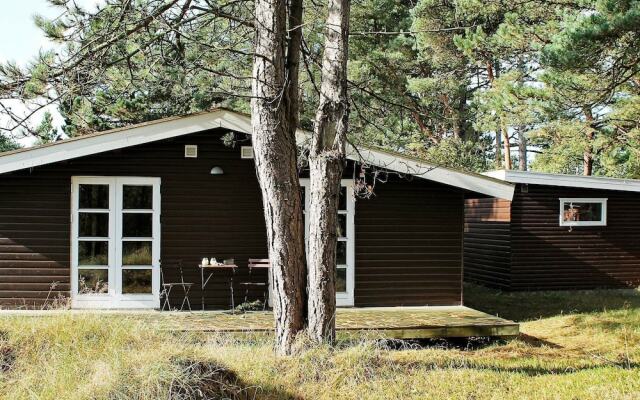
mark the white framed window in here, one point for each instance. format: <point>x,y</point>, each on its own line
<point>345,252</point>
<point>115,242</point>
<point>583,211</point>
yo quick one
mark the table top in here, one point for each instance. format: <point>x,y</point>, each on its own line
<point>230,266</point>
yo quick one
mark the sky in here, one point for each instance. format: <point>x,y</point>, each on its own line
<point>22,39</point>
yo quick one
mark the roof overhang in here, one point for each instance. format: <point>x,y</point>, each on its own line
<point>416,167</point>
<point>221,118</point>
<point>576,181</point>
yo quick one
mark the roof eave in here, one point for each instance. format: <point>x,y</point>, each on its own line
<point>575,181</point>
<point>228,119</point>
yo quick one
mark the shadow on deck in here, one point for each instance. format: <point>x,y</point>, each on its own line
<point>388,322</point>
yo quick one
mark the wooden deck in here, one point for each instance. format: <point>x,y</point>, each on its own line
<point>390,323</point>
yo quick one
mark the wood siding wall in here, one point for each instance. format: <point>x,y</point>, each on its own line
<point>202,215</point>
<point>409,245</point>
<point>543,255</point>
<point>487,242</point>
<point>408,237</point>
<point>548,256</point>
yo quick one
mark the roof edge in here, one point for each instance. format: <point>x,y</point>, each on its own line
<point>224,118</point>
<point>577,181</point>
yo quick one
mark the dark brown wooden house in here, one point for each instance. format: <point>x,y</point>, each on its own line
<point>559,232</point>
<point>94,219</point>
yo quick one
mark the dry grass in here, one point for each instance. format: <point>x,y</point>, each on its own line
<point>588,353</point>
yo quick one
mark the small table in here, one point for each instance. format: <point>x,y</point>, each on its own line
<point>211,269</point>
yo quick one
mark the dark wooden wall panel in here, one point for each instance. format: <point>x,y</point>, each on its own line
<point>408,238</point>
<point>202,216</point>
<point>408,245</point>
<point>487,247</point>
<point>548,256</point>
<point>34,238</point>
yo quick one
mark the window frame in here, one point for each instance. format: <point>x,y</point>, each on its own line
<point>115,298</point>
<point>599,200</point>
<point>343,299</point>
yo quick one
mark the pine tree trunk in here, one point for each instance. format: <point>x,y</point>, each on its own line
<point>506,143</point>
<point>522,151</point>
<point>498,148</point>
<point>327,159</point>
<point>587,156</point>
<point>491,76</point>
<point>276,164</point>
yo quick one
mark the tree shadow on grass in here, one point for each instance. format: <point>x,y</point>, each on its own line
<point>541,371</point>
<point>525,306</point>
<point>462,343</point>
<point>209,380</point>
<point>528,370</point>
<point>537,342</point>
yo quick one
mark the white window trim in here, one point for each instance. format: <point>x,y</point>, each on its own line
<point>344,299</point>
<point>114,298</point>
<point>602,201</point>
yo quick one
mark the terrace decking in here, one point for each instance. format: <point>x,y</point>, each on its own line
<point>390,323</point>
<point>380,323</point>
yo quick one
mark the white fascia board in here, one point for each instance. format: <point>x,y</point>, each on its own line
<point>221,118</point>
<point>115,140</point>
<point>463,180</point>
<point>577,181</point>
<point>235,121</point>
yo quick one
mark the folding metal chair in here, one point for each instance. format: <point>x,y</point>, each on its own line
<point>167,287</point>
<point>255,263</point>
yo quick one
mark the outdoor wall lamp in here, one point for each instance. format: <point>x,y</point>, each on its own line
<point>217,171</point>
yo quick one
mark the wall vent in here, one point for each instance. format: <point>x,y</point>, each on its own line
<point>246,152</point>
<point>190,151</point>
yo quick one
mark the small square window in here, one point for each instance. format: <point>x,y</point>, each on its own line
<point>583,212</point>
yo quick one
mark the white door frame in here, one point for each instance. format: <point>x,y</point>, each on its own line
<point>114,298</point>
<point>344,299</point>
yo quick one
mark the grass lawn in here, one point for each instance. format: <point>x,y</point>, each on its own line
<point>575,345</point>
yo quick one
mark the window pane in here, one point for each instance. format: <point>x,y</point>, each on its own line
<point>341,228</point>
<point>341,280</point>
<point>136,281</point>
<point>136,224</point>
<point>93,281</point>
<point>93,253</point>
<point>137,197</point>
<point>136,253</point>
<point>582,211</point>
<point>94,196</point>
<point>341,253</point>
<point>342,200</point>
<point>93,224</point>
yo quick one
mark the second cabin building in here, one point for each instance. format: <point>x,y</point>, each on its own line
<point>558,232</point>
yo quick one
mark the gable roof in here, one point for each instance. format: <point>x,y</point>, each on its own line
<point>222,118</point>
<point>577,181</point>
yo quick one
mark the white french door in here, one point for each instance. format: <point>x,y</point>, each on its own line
<point>345,251</point>
<point>115,242</point>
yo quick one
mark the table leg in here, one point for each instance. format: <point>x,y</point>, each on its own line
<point>202,287</point>
<point>233,306</point>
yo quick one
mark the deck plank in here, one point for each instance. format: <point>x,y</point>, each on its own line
<point>392,323</point>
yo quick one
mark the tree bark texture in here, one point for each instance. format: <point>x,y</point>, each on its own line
<point>587,156</point>
<point>506,143</point>
<point>491,76</point>
<point>275,153</point>
<point>522,150</point>
<point>327,159</point>
<point>498,148</point>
